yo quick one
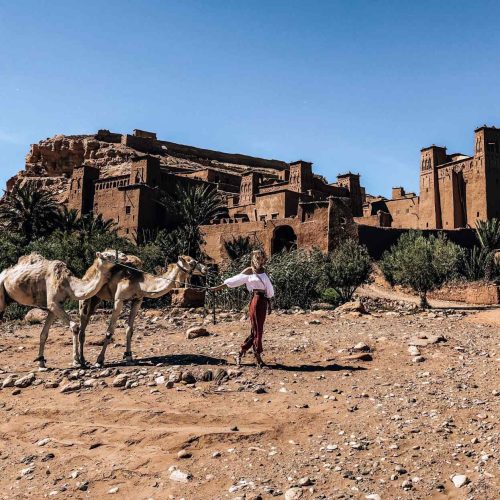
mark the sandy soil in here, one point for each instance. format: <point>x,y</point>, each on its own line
<point>315,424</point>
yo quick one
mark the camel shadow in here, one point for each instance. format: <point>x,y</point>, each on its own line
<point>314,368</point>
<point>172,360</point>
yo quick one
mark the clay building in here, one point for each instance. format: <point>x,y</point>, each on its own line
<point>123,177</point>
<point>278,204</point>
<point>456,190</point>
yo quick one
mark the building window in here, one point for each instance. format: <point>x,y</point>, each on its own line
<point>262,217</point>
<point>477,215</point>
<point>127,210</point>
<point>492,147</point>
<point>274,216</point>
<point>427,224</point>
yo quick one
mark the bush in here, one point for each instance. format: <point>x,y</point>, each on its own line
<point>348,267</point>
<point>331,296</point>
<point>421,263</point>
<point>77,249</point>
<point>298,278</point>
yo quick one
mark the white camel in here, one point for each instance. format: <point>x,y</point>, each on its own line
<point>48,284</point>
<point>129,285</point>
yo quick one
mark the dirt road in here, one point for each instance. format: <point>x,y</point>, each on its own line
<point>313,425</point>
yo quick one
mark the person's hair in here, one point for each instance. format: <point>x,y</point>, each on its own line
<point>258,259</point>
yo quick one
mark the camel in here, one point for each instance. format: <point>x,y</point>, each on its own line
<point>36,281</point>
<point>134,286</point>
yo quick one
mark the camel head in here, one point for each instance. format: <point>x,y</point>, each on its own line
<point>108,259</point>
<point>191,266</point>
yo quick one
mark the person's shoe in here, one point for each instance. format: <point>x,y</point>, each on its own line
<point>239,357</point>
<point>260,362</point>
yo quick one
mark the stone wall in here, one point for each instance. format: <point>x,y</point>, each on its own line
<point>471,293</point>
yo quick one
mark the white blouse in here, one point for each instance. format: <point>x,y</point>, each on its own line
<point>253,282</point>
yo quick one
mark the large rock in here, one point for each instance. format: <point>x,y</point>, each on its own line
<point>356,306</point>
<point>25,381</point>
<point>188,297</point>
<point>35,316</point>
<point>197,331</point>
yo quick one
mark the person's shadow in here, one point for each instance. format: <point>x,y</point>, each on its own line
<point>313,368</point>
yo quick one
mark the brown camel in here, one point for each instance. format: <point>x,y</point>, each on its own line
<point>128,285</point>
<point>48,284</point>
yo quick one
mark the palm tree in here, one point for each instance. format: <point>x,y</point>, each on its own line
<point>488,234</point>
<point>90,224</point>
<point>29,210</point>
<point>191,207</point>
<point>69,220</point>
<point>238,247</point>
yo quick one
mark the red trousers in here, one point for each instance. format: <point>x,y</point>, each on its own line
<point>257,312</point>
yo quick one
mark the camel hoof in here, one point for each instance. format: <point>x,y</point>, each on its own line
<point>43,369</point>
<point>99,364</point>
<point>128,360</point>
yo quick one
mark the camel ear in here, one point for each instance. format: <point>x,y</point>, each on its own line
<point>98,255</point>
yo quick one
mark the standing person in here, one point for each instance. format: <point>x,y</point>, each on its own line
<point>261,288</point>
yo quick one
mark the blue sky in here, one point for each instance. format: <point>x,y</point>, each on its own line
<point>349,85</point>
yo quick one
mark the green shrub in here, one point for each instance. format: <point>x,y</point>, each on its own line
<point>331,296</point>
<point>348,267</point>
<point>298,277</point>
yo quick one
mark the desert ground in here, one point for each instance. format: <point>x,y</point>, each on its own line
<point>392,403</point>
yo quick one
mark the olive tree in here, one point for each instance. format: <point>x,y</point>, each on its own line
<point>421,263</point>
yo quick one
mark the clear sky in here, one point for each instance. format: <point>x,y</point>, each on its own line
<point>356,85</point>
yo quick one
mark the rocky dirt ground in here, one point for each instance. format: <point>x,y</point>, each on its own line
<point>391,404</point>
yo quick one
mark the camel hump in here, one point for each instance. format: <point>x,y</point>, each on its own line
<point>30,258</point>
<point>59,270</point>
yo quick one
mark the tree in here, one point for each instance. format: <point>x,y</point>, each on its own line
<point>348,267</point>
<point>488,235</point>
<point>68,219</point>
<point>191,207</point>
<point>423,264</point>
<point>91,224</point>
<point>238,247</point>
<point>29,210</point>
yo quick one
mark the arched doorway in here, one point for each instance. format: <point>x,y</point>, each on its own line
<point>284,238</point>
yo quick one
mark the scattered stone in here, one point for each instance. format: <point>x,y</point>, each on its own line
<point>362,356</point>
<point>9,381</point>
<point>35,316</point>
<point>188,377</point>
<point>43,442</point>
<point>25,381</point>
<point>460,480</point>
<point>413,350</point>
<point>418,359</point>
<point>71,386</point>
<point>184,454</point>
<point>354,306</point>
<point>293,493</point>
<point>114,490</point>
<point>120,380</point>
<point>361,347</point>
<point>197,331</point>
<point>305,481</point>
<point>180,477</point>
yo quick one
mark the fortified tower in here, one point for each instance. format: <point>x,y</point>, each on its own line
<point>81,192</point>
<point>430,203</point>
<point>301,176</point>
<point>351,182</point>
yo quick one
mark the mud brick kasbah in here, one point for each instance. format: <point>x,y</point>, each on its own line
<point>278,204</point>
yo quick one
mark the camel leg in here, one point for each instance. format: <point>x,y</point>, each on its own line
<point>87,308</point>
<point>117,309</point>
<point>134,309</point>
<point>43,339</point>
<point>61,314</point>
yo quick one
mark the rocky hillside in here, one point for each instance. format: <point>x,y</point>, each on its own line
<point>51,162</point>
